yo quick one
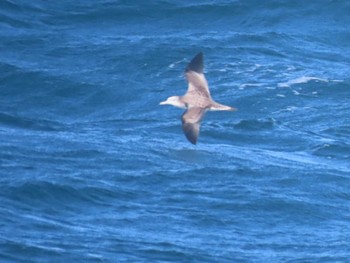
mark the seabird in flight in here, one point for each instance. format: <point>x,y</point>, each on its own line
<point>196,101</point>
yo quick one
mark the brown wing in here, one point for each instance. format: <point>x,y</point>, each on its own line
<point>191,123</point>
<point>197,83</point>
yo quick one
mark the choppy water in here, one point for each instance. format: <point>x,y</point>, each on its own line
<point>94,170</point>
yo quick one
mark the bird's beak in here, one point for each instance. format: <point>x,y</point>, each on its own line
<point>163,103</point>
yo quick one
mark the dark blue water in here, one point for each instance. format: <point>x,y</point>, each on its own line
<point>92,169</point>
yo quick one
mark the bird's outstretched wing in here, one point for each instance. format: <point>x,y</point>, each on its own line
<point>197,83</point>
<point>191,123</point>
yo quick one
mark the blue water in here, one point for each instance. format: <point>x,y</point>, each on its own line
<point>92,169</point>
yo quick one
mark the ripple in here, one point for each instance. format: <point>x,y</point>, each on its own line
<point>255,125</point>
<point>32,124</point>
<point>333,150</point>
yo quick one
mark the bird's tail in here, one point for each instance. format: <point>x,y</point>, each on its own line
<point>220,107</point>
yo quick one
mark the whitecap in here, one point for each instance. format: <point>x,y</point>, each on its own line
<point>172,65</point>
<point>245,85</point>
<point>300,80</point>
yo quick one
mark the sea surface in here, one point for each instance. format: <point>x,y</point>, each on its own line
<point>93,169</point>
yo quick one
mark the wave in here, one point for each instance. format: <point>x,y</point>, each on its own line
<point>20,15</point>
<point>46,194</point>
<point>339,151</point>
<point>254,125</point>
<point>301,80</point>
<point>339,132</point>
<point>247,14</point>
<point>25,123</point>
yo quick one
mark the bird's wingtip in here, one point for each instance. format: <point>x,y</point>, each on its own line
<point>196,64</point>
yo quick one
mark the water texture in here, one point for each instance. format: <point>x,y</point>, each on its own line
<point>92,169</point>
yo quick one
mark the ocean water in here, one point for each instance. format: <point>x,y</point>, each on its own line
<point>92,169</point>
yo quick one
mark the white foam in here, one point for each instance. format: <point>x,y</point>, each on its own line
<point>300,80</point>
<point>172,65</point>
<point>245,85</point>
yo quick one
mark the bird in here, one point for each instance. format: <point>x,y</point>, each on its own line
<point>197,100</point>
